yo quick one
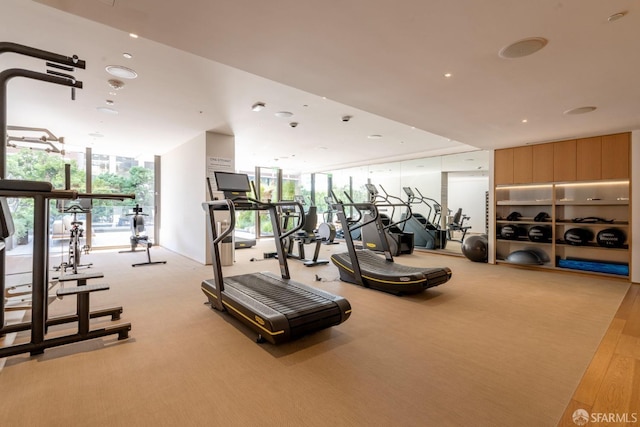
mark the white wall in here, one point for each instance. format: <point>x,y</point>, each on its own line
<point>184,188</point>
<point>183,191</point>
<point>217,146</point>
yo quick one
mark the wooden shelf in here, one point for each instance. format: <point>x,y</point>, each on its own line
<point>567,201</point>
<point>524,203</point>
<point>592,202</point>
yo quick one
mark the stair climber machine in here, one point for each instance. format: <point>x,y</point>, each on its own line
<point>426,233</point>
<point>277,308</point>
<point>366,268</point>
<point>400,242</point>
<point>307,235</point>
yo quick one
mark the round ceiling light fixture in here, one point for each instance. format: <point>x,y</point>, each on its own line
<point>374,136</point>
<point>284,114</point>
<point>616,16</point>
<point>580,110</point>
<point>524,47</point>
<point>120,71</point>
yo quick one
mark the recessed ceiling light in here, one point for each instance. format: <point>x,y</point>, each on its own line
<point>580,110</point>
<point>524,120</point>
<point>523,47</point>
<point>616,16</point>
<point>109,102</point>
<point>258,106</point>
<point>374,136</point>
<point>133,35</point>
<point>284,114</point>
<point>107,110</point>
<point>127,55</point>
<point>447,75</point>
<point>120,71</point>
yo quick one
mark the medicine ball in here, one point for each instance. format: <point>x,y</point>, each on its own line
<point>514,216</point>
<point>511,232</point>
<point>611,238</point>
<point>540,233</point>
<point>578,236</point>
<point>542,217</point>
<point>475,248</point>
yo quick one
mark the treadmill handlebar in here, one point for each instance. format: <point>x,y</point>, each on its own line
<point>300,216</point>
<point>361,206</point>
<point>224,204</point>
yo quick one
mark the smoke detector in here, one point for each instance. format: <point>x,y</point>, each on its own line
<point>115,84</point>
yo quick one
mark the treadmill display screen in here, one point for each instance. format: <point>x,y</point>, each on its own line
<point>237,182</point>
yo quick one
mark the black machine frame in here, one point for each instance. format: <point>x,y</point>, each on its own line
<point>365,268</point>
<point>278,309</point>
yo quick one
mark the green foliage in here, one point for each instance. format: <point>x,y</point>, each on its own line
<point>34,165</point>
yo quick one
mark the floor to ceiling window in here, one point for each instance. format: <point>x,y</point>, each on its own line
<point>110,219</point>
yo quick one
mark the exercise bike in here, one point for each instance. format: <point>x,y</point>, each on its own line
<point>76,236</point>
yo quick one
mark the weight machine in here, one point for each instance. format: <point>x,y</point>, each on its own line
<point>139,236</point>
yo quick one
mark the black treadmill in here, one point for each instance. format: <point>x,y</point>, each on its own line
<point>276,307</point>
<point>366,268</point>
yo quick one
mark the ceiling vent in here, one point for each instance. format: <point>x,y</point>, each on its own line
<point>523,47</point>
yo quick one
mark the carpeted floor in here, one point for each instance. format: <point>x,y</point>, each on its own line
<point>495,346</point>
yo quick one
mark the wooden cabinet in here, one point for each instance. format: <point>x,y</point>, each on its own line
<point>522,165</point>
<point>589,158</point>
<point>542,164</point>
<point>584,159</point>
<point>503,166</point>
<point>615,156</point>
<point>564,161</point>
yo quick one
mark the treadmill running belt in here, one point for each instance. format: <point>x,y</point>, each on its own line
<point>286,298</point>
<point>384,275</point>
<point>279,309</point>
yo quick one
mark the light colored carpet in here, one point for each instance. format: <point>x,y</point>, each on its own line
<point>495,346</point>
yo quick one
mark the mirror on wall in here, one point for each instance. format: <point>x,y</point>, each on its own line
<point>450,192</point>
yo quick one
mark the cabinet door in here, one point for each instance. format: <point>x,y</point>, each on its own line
<point>522,165</point>
<point>542,163</point>
<point>588,159</point>
<point>564,161</point>
<point>615,156</point>
<point>503,166</point>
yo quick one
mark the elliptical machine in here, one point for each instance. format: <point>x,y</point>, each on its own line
<point>426,232</point>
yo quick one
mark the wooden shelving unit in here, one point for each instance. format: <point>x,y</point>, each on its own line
<point>569,205</point>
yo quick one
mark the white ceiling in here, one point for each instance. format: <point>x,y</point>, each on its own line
<point>203,63</point>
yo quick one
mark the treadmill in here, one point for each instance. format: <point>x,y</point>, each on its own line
<point>277,308</point>
<point>366,268</point>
